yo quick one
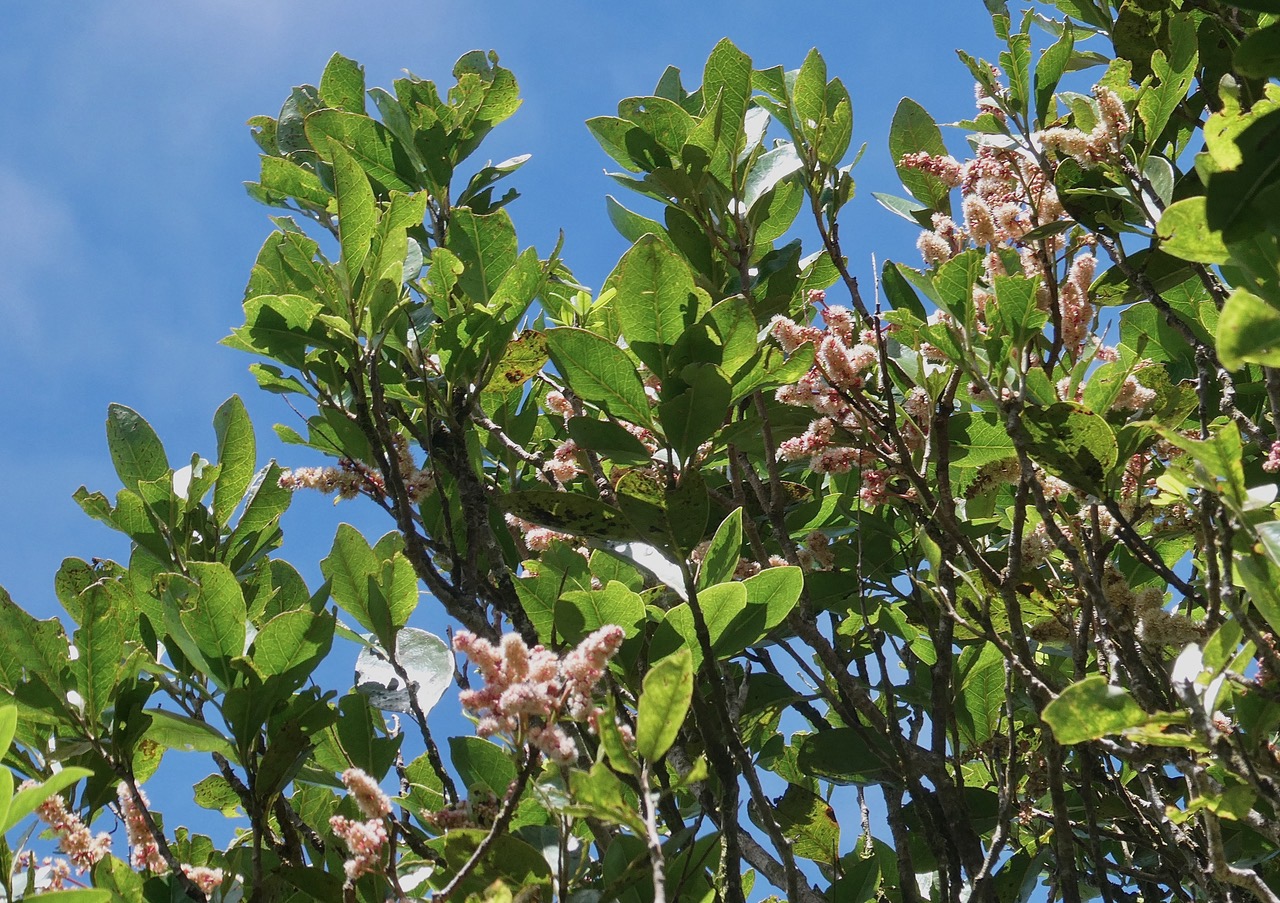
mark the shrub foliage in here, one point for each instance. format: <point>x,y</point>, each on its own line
<point>964,588</point>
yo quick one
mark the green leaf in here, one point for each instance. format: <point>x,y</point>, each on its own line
<point>623,141</point>
<point>837,129</point>
<point>37,649</point>
<point>1242,198</point>
<point>214,792</point>
<point>1258,576</point>
<point>120,879</point>
<point>237,456</point>
<point>482,765</point>
<point>510,863</point>
<point>982,696</point>
<point>1174,72</point>
<point>369,143</point>
<point>978,439</point>
<point>525,356</point>
<point>25,801</point>
<point>664,703</point>
<point>287,179</point>
<point>913,130</point>
<point>292,643</point>
<point>135,448</point>
<point>845,755</point>
<point>604,437</point>
<point>656,300</point>
<point>8,724</point>
<point>1049,70</point>
<point>809,94</point>
<point>899,291</point>
<point>215,618</point>
<point>342,84</point>
<point>1019,313</point>
<point>100,646</point>
<point>357,210</point>
<point>687,508</point>
<point>768,170</point>
<point>1091,709</point>
<point>579,612</point>
<point>1016,61</point>
<point>1184,232</point>
<point>1258,55</point>
<point>809,822</point>
<point>487,247</point>
<point>663,120</point>
<point>778,589</point>
<point>721,606</point>
<point>1073,443</point>
<point>699,412</point>
<point>349,568</point>
<point>630,225</point>
<point>267,500</point>
<point>600,372</point>
<point>721,558</point>
<point>620,756</point>
<point>727,75</point>
<point>1248,331</point>
<point>600,793</point>
<point>912,211</point>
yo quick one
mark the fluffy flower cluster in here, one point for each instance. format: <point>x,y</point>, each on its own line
<point>1005,193</point>
<point>527,692</point>
<point>1104,142</point>
<point>844,361</point>
<point>370,798</point>
<point>564,462</point>
<point>841,439</point>
<point>351,479</point>
<point>74,838</point>
<point>473,812</point>
<point>364,839</point>
<point>203,877</point>
<point>537,539</point>
<point>1272,464</point>
<point>145,852</point>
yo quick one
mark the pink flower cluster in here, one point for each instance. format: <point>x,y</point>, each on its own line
<point>1103,143</point>
<point>537,539</point>
<point>473,812</point>
<point>74,838</point>
<point>527,692</point>
<point>364,839</point>
<point>369,797</point>
<point>1006,192</point>
<point>145,852</point>
<point>1272,464</point>
<point>351,479</point>
<point>846,358</point>
<point>203,877</point>
<point>564,463</point>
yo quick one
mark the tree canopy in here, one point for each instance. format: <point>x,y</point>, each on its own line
<point>964,586</point>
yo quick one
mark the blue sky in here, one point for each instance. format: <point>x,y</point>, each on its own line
<point>126,237</point>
